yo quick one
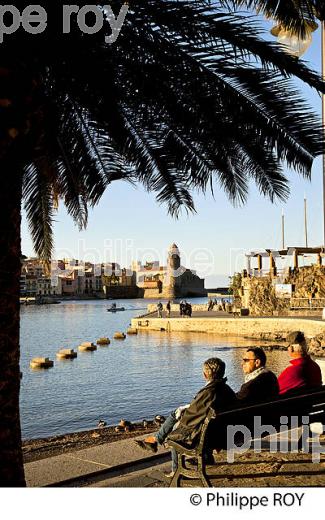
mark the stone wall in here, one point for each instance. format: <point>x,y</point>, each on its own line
<point>180,291</point>
<point>309,282</point>
<point>316,344</point>
<point>258,294</point>
<point>244,327</point>
<point>190,285</point>
<point>260,297</point>
<point>119,291</point>
<point>152,293</point>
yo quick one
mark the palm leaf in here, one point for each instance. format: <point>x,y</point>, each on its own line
<point>295,15</point>
<point>189,97</point>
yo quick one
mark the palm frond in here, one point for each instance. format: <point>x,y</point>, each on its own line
<point>188,97</point>
<point>293,14</point>
<point>38,196</point>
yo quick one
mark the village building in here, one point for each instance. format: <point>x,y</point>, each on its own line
<point>73,278</point>
<point>119,282</point>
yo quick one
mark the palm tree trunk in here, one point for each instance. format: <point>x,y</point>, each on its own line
<point>11,461</point>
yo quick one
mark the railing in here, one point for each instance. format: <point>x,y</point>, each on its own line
<point>307,303</point>
<point>260,273</point>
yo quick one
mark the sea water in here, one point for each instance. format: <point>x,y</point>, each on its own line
<point>136,378</point>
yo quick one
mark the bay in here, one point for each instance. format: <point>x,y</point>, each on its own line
<point>136,378</point>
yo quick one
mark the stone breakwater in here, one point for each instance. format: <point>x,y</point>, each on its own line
<point>316,344</point>
<point>263,329</point>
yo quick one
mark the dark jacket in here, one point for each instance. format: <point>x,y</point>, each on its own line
<point>216,394</point>
<point>264,387</point>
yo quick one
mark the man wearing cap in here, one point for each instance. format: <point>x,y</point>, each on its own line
<point>303,372</point>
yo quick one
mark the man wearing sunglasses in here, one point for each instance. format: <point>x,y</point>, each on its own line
<point>260,383</point>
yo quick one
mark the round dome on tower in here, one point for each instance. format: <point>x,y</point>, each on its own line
<point>174,260</point>
<point>174,249</point>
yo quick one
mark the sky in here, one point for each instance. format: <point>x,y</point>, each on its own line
<point>128,224</point>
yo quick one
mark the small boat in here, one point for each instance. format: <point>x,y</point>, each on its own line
<point>46,301</point>
<point>113,308</point>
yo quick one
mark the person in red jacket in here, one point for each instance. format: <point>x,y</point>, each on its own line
<point>303,372</point>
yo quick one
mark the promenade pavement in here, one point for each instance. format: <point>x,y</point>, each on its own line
<point>106,461</point>
<point>124,464</point>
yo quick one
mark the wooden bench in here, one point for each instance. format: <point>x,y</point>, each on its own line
<point>311,404</point>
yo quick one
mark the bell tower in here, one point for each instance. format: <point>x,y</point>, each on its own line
<point>173,272</point>
<point>174,259</point>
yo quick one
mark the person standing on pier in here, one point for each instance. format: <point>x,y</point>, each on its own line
<point>168,308</point>
<point>159,309</point>
<point>181,308</point>
<point>188,309</point>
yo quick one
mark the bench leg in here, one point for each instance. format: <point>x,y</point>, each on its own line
<point>176,480</point>
<point>189,474</point>
<point>202,472</point>
<point>198,472</point>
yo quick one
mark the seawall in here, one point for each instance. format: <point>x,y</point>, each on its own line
<point>231,326</point>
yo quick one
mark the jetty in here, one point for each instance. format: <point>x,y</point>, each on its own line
<point>226,324</point>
